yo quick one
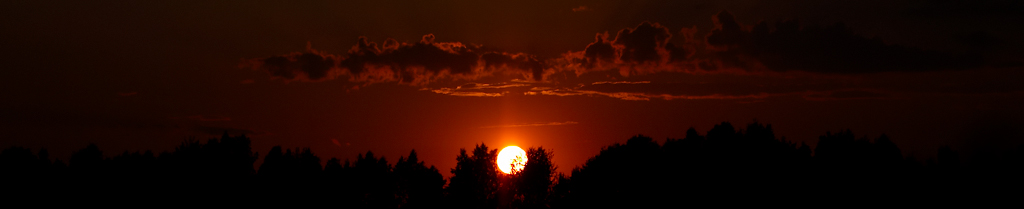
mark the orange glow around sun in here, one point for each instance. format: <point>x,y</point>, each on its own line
<point>511,159</point>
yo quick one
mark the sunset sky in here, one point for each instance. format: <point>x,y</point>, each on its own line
<point>346,77</point>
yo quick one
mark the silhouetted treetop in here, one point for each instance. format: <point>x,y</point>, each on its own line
<point>474,182</point>
<point>723,164</point>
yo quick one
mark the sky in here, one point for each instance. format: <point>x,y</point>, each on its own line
<point>346,77</point>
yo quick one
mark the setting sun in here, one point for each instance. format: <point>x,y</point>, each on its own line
<point>511,158</point>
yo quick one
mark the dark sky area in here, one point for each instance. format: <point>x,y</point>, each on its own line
<point>344,77</point>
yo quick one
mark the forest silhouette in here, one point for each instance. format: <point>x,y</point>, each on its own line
<point>724,166</point>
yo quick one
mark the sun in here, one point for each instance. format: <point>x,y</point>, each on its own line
<point>511,159</point>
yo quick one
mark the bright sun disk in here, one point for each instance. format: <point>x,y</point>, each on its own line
<point>511,158</point>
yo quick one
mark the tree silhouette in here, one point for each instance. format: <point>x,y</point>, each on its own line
<point>87,162</point>
<point>20,163</point>
<point>843,154</point>
<point>725,164</point>
<point>290,165</point>
<point>228,160</point>
<point>290,175</point>
<point>418,185</point>
<point>618,177</point>
<point>643,174</point>
<point>533,184</point>
<point>947,158</point>
<point>474,183</point>
<point>374,182</point>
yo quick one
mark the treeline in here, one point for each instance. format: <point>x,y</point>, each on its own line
<point>723,163</point>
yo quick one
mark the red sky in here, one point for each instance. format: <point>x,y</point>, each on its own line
<point>437,76</point>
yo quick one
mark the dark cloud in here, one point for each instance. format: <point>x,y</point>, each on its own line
<point>401,58</point>
<point>514,61</point>
<point>640,63</point>
<point>363,52</point>
<point>311,65</point>
<point>411,63</point>
<point>727,32</point>
<point>601,50</point>
<point>647,43</point>
<point>789,46</point>
<point>645,49</point>
<point>677,53</point>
